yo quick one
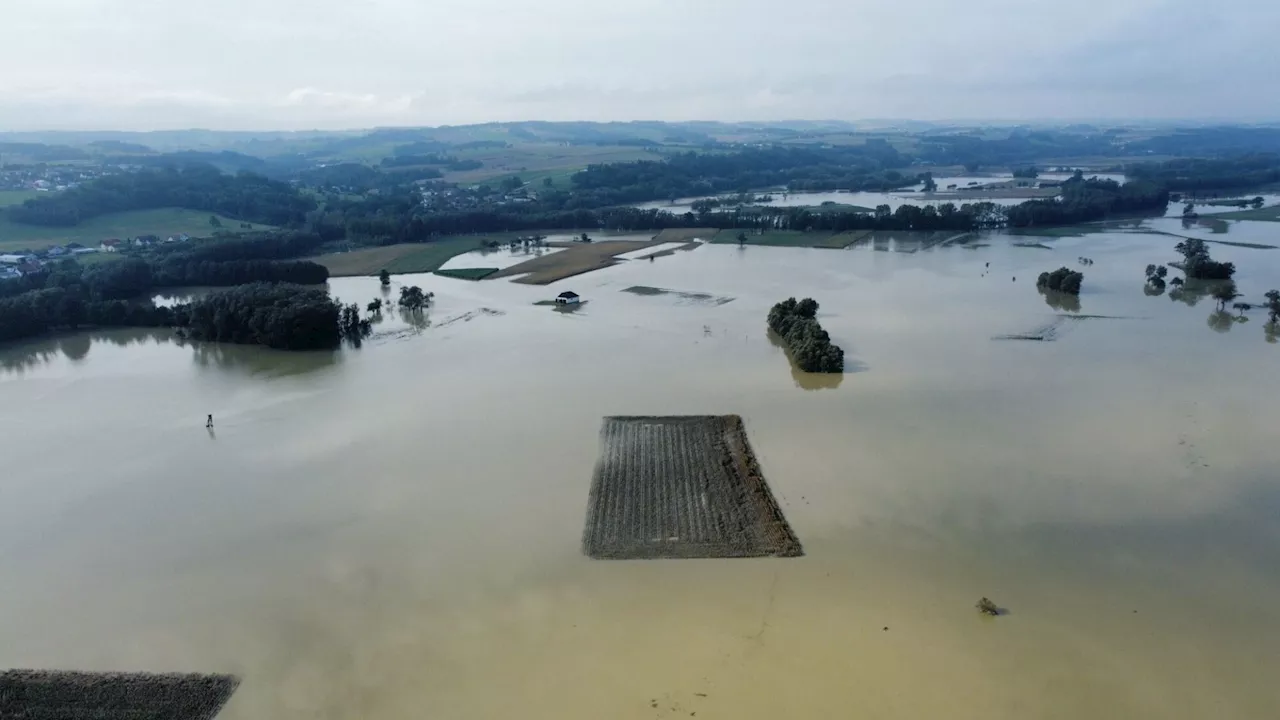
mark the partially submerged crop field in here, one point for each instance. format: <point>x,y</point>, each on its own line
<point>681,487</point>
<point>49,695</point>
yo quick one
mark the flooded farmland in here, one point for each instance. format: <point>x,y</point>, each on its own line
<point>396,531</point>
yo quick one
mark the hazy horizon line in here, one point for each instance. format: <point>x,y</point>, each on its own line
<point>1113,122</point>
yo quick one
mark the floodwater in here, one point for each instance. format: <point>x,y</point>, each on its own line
<point>915,196</point>
<point>394,531</point>
<point>861,199</point>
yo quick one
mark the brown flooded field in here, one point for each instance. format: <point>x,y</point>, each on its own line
<point>396,531</point>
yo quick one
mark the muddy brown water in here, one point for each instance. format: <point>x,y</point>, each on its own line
<point>395,531</point>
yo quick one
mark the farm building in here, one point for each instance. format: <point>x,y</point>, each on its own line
<point>568,297</point>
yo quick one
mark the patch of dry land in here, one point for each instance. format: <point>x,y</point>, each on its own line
<point>45,695</point>
<point>681,487</point>
<point>575,259</point>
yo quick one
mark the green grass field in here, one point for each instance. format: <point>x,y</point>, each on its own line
<point>16,197</point>
<point>1266,214</point>
<point>402,259</point>
<point>467,273</point>
<point>535,161</point>
<point>535,180</point>
<point>163,222</point>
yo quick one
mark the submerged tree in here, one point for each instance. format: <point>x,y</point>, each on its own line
<point>375,306</point>
<point>412,298</point>
<point>1225,293</point>
<point>1063,280</point>
<point>1273,305</point>
<point>1155,279</point>
<point>385,278</point>
<point>353,327</point>
<point>1198,265</point>
<point>987,607</point>
<point>811,347</point>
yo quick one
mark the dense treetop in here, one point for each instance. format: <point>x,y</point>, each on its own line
<point>281,316</point>
<point>811,348</point>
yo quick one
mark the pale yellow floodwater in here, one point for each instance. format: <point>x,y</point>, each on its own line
<point>393,532</point>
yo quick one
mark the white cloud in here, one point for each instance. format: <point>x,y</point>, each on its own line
<point>344,63</point>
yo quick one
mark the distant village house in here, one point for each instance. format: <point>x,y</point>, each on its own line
<point>568,297</point>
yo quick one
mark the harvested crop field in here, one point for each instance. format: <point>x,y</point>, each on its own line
<point>467,273</point>
<point>51,695</point>
<point>681,487</point>
<point>575,259</point>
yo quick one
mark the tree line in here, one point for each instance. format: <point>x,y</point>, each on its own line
<point>1203,175</point>
<point>40,311</point>
<point>1089,200</point>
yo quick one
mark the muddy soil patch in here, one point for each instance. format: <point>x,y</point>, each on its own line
<point>681,487</point>
<point>55,695</point>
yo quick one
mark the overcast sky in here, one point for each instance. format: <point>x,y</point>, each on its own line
<point>297,64</point>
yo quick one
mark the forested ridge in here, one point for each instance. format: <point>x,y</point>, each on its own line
<point>862,167</point>
<point>245,196</point>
